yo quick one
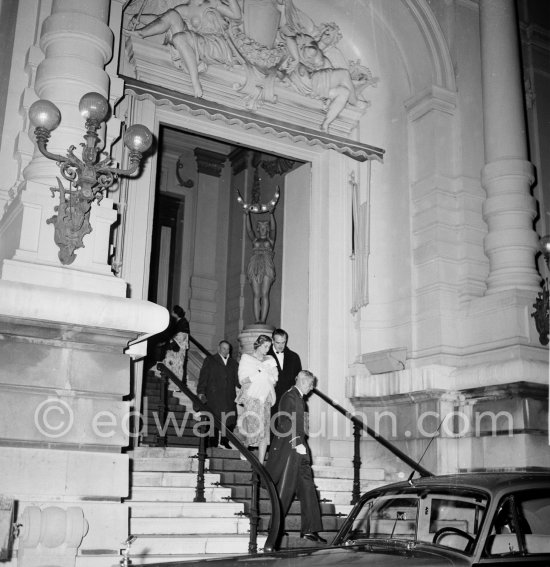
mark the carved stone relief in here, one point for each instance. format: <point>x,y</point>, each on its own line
<point>267,56</point>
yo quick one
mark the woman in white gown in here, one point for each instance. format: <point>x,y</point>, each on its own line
<point>257,375</point>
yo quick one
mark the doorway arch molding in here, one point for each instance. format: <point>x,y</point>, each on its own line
<point>442,66</point>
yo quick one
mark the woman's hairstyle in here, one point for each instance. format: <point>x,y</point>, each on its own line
<point>261,340</point>
<point>178,311</point>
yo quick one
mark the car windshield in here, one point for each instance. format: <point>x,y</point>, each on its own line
<point>444,519</point>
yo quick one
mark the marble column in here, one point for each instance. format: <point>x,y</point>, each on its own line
<point>507,175</point>
<point>77,43</point>
<point>237,284</point>
<point>208,267</point>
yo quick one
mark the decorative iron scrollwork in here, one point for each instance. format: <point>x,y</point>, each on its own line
<point>541,313</point>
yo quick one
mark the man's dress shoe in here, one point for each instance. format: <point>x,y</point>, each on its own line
<point>313,536</point>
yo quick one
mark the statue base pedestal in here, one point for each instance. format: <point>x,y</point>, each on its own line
<point>247,337</point>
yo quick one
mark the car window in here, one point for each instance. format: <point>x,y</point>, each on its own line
<point>387,518</point>
<point>521,526</point>
<point>446,520</point>
<point>452,521</point>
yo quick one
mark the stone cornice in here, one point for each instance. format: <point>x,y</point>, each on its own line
<point>510,390</point>
<point>239,159</point>
<point>209,163</point>
<point>92,312</point>
<point>249,120</point>
<point>489,392</point>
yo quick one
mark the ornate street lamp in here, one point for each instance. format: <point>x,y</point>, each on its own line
<point>88,177</point>
<point>542,301</point>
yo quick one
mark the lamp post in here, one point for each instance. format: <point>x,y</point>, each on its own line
<point>88,176</point>
<point>542,302</point>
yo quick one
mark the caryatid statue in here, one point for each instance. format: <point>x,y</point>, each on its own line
<point>261,268</point>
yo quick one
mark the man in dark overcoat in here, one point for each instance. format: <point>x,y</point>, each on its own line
<point>288,365</point>
<point>289,459</point>
<point>218,380</point>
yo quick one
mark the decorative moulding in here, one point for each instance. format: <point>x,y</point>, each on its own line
<point>389,360</point>
<point>150,63</point>
<point>294,131</point>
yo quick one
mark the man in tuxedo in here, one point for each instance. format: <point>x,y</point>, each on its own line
<point>288,365</point>
<point>289,459</point>
<point>218,380</point>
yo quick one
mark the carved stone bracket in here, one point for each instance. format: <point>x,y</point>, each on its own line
<point>210,163</point>
<point>50,536</point>
<point>248,120</point>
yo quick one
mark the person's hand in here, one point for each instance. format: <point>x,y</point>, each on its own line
<point>269,362</point>
<point>202,398</point>
<point>301,449</point>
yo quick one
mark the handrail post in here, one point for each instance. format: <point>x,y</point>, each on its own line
<point>375,435</point>
<point>254,513</point>
<point>199,491</point>
<point>162,438</point>
<point>356,490</point>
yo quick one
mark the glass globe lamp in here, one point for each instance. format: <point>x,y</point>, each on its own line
<point>544,246</point>
<point>44,114</point>
<point>138,138</point>
<point>94,106</point>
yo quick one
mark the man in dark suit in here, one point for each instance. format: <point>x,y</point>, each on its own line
<point>289,459</point>
<point>288,364</point>
<point>218,380</point>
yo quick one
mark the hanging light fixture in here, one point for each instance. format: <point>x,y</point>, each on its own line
<point>88,176</point>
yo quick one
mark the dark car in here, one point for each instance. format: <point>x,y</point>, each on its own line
<point>463,519</point>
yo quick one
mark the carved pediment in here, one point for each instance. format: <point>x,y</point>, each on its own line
<point>267,58</point>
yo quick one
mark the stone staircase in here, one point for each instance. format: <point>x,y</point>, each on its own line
<point>169,526</point>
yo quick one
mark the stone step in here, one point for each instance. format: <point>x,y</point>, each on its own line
<point>343,497</point>
<point>331,524</point>
<point>148,558</point>
<point>265,508</point>
<point>168,464</point>
<point>160,494</point>
<point>184,441</point>
<point>188,526</point>
<point>185,509</point>
<point>189,545</point>
<point>230,464</point>
<point>161,452</point>
<point>172,479</point>
<point>155,420</point>
<point>236,478</point>
<point>334,484</point>
<point>321,471</point>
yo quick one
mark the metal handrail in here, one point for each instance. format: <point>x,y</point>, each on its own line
<point>199,346</point>
<point>276,515</point>
<point>374,434</point>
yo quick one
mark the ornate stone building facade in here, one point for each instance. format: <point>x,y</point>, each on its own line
<point>408,227</point>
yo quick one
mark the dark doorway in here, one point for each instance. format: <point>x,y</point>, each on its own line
<point>166,250</point>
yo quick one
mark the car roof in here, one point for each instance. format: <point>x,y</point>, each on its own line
<point>489,481</point>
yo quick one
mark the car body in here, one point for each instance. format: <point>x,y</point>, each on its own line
<point>464,519</point>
